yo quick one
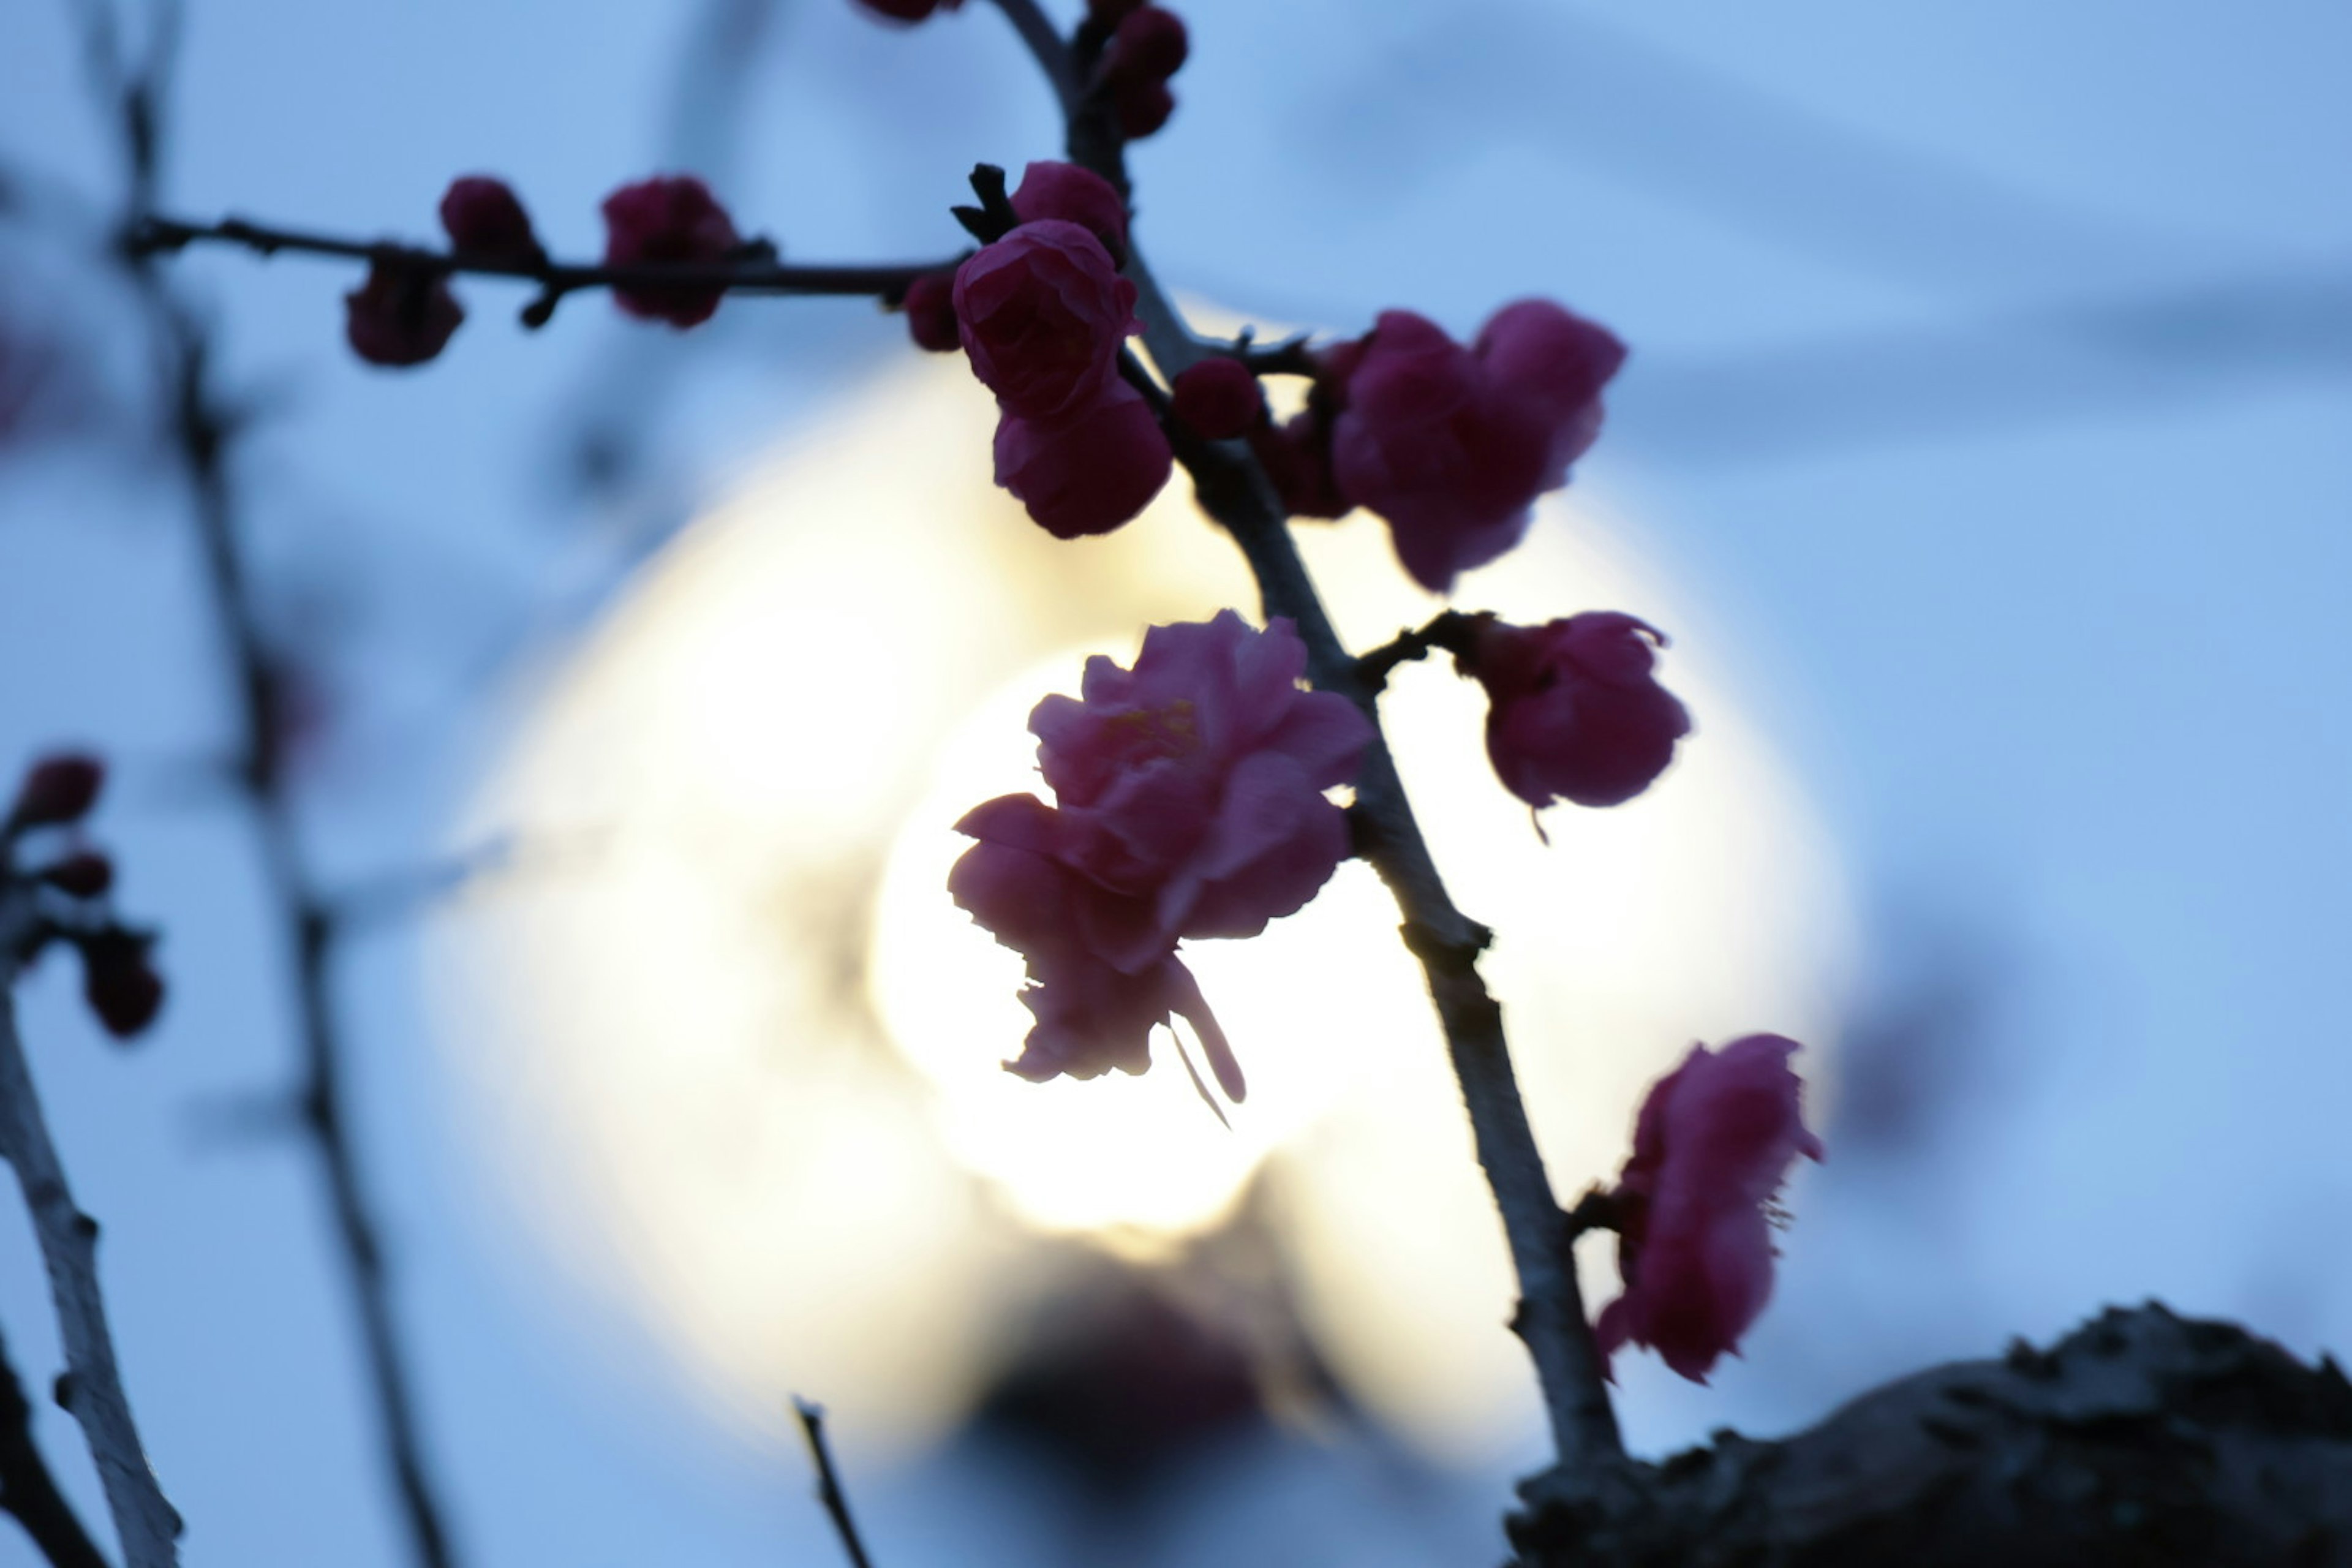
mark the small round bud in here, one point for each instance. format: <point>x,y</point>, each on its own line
<point>668,219</point>
<point>485,222</point>
<point>1143,107</point>
<point>85,874</point>
<point>907,11</point>
<point>58,789</point>
<point>1150,46</point>
<point>1218,397</point>
<point>401,316</point>
<point>121,987</point>
<point>1073,194</point>
<point>931,312</point>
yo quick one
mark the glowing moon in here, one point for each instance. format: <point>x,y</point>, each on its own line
<point>738,1060</point>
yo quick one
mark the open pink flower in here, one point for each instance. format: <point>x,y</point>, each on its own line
<point>1044,313</point>
<point>1576,711</point>
<point>670,218</point>
<point>1453,444</point>
<point>1190,804</point>
<point>1711,1148</point>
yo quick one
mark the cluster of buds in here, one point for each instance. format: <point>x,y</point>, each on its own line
<point>1138,50</point>
<point>405,313</point>
<point>68,881</point>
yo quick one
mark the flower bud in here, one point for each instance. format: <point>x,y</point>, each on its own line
<point>85,874</point>
<point>485,222</point>
<point>1142,106</point>
<point>121,987</point>
<point>671,219</point>
<point>403,315</point>
<point>59,789</point>
<point>1086,474</point>
<point>1150,46</point>
<point>1218,397</point>
<point>1576,712</point>
<point>907,11</point>
<point>1072,195</point>
<point>929,305</point>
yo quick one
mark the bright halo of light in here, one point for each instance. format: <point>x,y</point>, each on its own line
<point>736,1053</point>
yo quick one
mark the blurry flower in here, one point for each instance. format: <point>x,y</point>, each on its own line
<point>121,987</point>
<point>908,11</point>
<point>1575,712</point>
<point>1044,313</point>
<point>931,312</point>
<point>1452,445</point>
<point>1150,47</point>
<point>485,222</point>
<point>1219,397</point>
<point>60,788</point>
<point>1086,474</point>
<point>1296,455</point>
<point>402,316</point>
<point>1190,804</point>
<point>85,874</point>
<point>669,219</point>
<point>1065,192</point>
<point>1711,1148</point>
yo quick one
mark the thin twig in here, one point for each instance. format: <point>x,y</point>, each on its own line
<point>92,1387</point>
<point>28,1491</point>
<point>1233,489</point>
<point>1449,630</point>
<point>828,1481</point>
<point>202,429</point>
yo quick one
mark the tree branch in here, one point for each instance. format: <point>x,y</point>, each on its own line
<point>828,1482</point>
<point>1234,489</point>
<point>28,1491</point>
<point>92,1389</point>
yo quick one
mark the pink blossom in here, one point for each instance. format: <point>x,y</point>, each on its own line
<point>1043,314</point>
<point>1190,805</point>
<point>1219,397</point>
<point>1085,474</point>
<point>485,222</point>
<point>401,316</point>
<point>1711,1147</point>
<point>929,305</point>
<point>1576,711</point>
<point>1064,191</point>
<point>668,219</point>
<point>1453,444</point>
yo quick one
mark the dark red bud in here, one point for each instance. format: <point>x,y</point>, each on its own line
<point>85,874</point>
<point>401,316</point>
<point>1111,13</point>
<point>485,221</point>
<point>121,987</point>
<point>931,312</point>
<point>1143,107</point>
<point>58,789</point>
<point>1218,397</point>
<point>1150,46</point>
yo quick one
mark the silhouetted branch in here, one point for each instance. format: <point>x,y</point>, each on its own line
<point>92,1389</point>
<point>828,1482</point>
<point>28,1491</point>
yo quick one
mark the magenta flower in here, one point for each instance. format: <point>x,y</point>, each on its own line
<point>668,219</point>
<point>485,222</point>
<point>1575,711</point>
<point>1089,473</point>
<point>1044,313</point>
<point>401,316</point>
<point>1219,397</point>
<point>1711,1148</point>
<point>1452,445</point>
<point>1066,193</point>
<point>1190,804</point>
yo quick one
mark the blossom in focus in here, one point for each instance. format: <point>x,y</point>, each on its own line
<point>1575,709</point>
<point>1219,397</point>
<point>1043,314</point>
<point>1064,191</point>
<point>929,305</point>
<point>671,219</point>
<point>1711,1147</point>
<point>1189,803</point>
<point>1451,445</point>
<point>485,221</point>
<point>1089,473</point>
<point>401,316</point>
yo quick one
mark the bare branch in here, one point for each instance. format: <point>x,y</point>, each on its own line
<point>92,1387</point>
<point>828,1482</point>
<point>28,1491</point>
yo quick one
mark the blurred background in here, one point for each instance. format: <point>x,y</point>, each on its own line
<point>1983,449</point>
